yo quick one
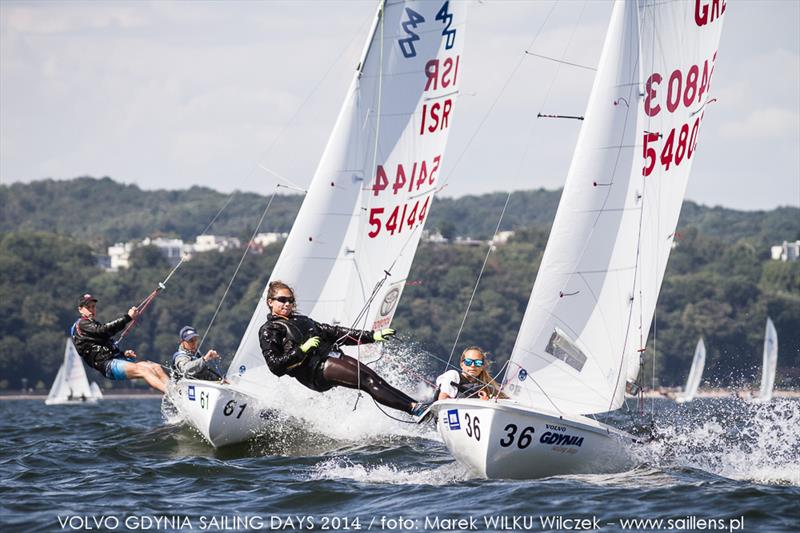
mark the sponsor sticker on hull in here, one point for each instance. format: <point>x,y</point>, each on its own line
<point>191,392</point>
<point>452,420</point>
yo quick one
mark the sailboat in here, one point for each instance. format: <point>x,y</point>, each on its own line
<point>695,374</point>
<point>770,364</point>
<point>71,384</point>
<point>588,318</point>
<point>351,247</point>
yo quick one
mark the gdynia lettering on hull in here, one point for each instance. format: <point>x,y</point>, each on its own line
<point>560,439</point>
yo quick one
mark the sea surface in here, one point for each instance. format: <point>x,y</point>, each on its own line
<point>121,465</point>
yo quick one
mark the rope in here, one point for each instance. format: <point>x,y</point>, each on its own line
<point>560,61</point>
<point>244,255</point>
<point>477,282</point>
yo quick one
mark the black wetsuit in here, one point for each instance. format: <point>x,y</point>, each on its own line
<point>94,340</point>
<point>323,368</point>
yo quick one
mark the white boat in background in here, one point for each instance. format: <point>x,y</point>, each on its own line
<point>351,247</point>
<point>770,363</point>
<point>592,304</point>
<point>71,385</point>
<point>695,374</point>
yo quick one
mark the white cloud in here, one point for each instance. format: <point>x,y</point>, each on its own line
<point>766,123</point>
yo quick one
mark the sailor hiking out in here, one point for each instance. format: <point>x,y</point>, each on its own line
<point>308,351</point>
<point>94,341</point>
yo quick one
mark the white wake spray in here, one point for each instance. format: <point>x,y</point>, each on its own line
<point>733,439</point>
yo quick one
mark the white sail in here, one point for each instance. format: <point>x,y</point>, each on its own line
<point>679,42</point>
<point>372,191</point>
<point>573,336</point>
<point>770,362</point>
<point>593,301</point>
<point>696,372</point>
<point>96,392</point>
<point>71,384</point>
<point>58,391</point>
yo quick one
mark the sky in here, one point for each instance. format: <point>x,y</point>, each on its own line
<point>166,95</point>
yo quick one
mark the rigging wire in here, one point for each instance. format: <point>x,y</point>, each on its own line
<point>244,255</point>
<point>478,281</point>
<point>162,285</point>
<point>489,111</point>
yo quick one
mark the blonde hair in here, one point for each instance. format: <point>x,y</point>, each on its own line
<point>484,377</point>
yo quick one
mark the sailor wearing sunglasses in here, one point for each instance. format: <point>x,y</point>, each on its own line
<point>474,380</point>
<point>296,345</point>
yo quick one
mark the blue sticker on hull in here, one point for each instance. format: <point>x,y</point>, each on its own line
<point>191,392</point>
<point>452,419</point>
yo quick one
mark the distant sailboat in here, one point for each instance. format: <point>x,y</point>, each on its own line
<point>71,384</point>
<point>770,363</point>
<point>695,374</point>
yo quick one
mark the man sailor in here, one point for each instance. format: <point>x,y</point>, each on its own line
<point>95,343</point>
<point>187,361</point>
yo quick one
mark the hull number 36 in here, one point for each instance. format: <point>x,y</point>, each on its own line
<point>524,440</point>
<point>473,427</point>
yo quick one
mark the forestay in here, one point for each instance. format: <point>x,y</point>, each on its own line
<point>590,311</point>
<point>770,361</point>
<point>373,188</point>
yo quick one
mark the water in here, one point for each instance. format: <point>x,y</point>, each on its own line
<point>121,465</point>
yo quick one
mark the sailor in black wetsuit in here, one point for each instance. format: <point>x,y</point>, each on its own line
<point>94,341</point>
<point>306,350</point>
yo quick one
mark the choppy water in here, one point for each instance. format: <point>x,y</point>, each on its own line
<point>121,466</point>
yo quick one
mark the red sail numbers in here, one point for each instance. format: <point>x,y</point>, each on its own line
<point>407,178</point>
<point>421,173</point>
<point>438,74</point>
<point>706,11</point>
<point>402,218</point>
<point>680,88</point>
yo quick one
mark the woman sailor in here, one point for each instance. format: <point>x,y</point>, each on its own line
<point>308,351</point>
<point>474,380</point>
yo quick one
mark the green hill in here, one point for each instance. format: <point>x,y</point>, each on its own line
<point>720,281</point>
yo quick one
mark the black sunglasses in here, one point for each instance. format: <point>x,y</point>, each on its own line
<point>284,299</point>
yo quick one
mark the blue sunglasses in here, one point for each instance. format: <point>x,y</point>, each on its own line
<point>473,362</point>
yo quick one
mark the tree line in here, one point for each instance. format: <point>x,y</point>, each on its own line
<point>720,281</point>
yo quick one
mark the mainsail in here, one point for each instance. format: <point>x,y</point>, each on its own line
<point>770,362</point>
<point>593,301</point>
<point>352,244</point>
<point>71,383</point>
<point>696,372</point>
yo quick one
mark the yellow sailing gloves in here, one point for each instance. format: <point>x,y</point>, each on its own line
<point>313,342</point>
<point>383,334</point>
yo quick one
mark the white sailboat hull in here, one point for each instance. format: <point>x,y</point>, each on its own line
<point>78,401</point>
<point>222,413</point>
<point>504,440</point>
